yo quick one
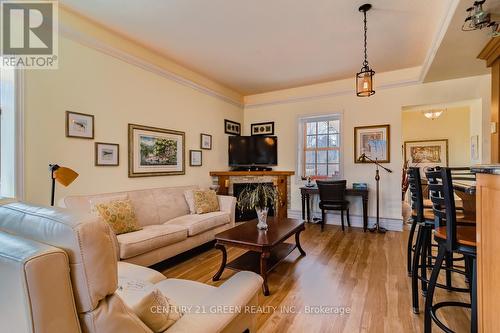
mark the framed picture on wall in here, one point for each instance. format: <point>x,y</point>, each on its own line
<point>427,153</point>
<point>474,147</point>
<point>232,127</point>
<point>373,141</point>
<point>263,128</point>
<point>195,158</point>
<point>79,125</point>
<point>107,154</point>
<point>155,151</point>
<point>205,141</point>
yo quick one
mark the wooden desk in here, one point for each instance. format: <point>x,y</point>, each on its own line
<point>305,194</point>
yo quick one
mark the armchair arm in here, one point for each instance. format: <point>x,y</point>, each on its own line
<point>222,305</point>
<point>228,204</point>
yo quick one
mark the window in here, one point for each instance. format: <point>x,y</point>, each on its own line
<point>320,154</point>
<point>9,182</point>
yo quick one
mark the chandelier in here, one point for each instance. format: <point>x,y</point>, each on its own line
<point>477,19</point>
<point>364,79</point>
<point>433,114</point>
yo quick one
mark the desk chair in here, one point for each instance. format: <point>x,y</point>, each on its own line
<point>332,197</point>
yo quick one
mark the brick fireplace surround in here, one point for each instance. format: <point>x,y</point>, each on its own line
<point>281,179</point>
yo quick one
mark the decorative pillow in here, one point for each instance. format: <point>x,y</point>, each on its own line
<point>100,200</point>
<point>120,215</point>
<point>190,201</point>
<point>205,201</point>
<point>157,311</point>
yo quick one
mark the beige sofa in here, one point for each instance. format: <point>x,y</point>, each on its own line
<point>60,273</point>
<point>168,226</point>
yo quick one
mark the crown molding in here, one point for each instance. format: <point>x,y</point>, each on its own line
<point>491,51</point>
<point>333,93</point>
<point>93,43</point>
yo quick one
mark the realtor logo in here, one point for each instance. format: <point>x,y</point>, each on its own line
<point>29,33</point>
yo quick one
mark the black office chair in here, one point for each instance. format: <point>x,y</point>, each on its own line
<point>332,197</point>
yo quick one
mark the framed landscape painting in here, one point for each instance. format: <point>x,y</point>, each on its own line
<point>374,142</point>
<point>155,151</point>
<point>426,153</point>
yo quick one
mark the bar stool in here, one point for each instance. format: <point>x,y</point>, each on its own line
<point>419,256</point>
<point>451,238</point>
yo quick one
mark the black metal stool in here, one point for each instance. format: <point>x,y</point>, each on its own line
<point>419,256</point>
<point>451,238</point>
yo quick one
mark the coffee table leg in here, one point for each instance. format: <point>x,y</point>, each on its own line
<point>297,242</point>
<point>223,264</point>
<point>263,271</point>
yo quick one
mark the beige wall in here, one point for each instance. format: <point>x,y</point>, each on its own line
<point>116,93</point>
<point>454,125</point>
<point>382,108</point>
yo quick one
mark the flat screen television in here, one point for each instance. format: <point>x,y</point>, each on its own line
<point>247,151</point>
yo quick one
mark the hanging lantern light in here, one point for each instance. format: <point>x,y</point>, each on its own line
<point>364,79</point>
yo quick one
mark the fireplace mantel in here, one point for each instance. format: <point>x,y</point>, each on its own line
<point>281,179</point>
<point>251,173</point>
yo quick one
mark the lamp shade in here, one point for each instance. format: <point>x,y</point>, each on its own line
<point>364,82</point>
<point>65,176</point>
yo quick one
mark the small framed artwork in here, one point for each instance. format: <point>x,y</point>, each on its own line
<point>263,128</point>
<point>195,158</point>
<point>474,147</point>
<point>373,141</point>
<point>79,125</point>
<point>107,154</point>
<point>205,141</point>
<point>427,153</point>
<point>232,127</point>
<point>155,151</point>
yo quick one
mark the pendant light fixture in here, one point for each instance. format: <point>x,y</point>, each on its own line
<point>364,79</point>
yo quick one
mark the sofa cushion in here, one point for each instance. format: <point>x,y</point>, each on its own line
<point>205,201</point>
<point>196,224</point>
<point>130,271</point>
<point>184,292</point>
<point>120,215</point>
<point>170,202</point>
<point>157,311</point>
<point>151,237</point>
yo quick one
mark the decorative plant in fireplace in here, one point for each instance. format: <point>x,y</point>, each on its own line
<point>259,197</point>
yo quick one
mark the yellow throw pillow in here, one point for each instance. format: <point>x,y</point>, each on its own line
<point>157,311</point>
<point>205,201</point>
<point>120,215</point>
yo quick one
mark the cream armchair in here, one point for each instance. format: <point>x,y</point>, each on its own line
<point>59,273</point>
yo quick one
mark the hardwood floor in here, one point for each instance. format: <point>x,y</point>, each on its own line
<point>362,273</point>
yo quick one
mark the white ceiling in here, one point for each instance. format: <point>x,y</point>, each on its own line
<point>264,45</point>
<point>457,54</point>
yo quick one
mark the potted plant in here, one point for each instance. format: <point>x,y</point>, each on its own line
<point>259,197</point>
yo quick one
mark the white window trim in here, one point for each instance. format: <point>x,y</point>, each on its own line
<point>19,165</point>
<point>300,141</point>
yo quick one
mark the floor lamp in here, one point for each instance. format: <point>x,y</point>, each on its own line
<point>363,158</point>
<point>63,175</point>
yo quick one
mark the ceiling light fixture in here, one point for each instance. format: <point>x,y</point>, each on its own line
<point>433,114</point>
<point>364,79</point>
<point>477,19</point>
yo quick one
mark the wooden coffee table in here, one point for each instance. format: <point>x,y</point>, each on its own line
<point>267,248</point>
